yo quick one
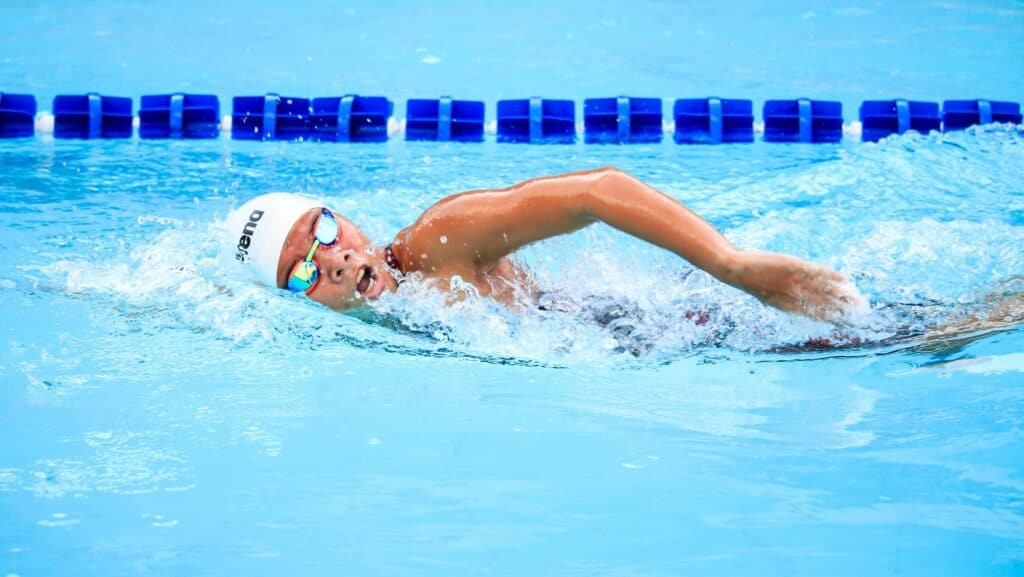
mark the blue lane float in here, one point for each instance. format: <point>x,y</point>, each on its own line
<point>92,116</point>
<point>179,115</point>
<point>713,120</point>
<point>366,118</point>
<point>803,120</point>
<point>537,121</point>
<point>17,115</point>
<point>444,119</point>
<point>881,118</point>
<point>269,117</point>
<point>622,120</point>
<point>351,118</point>
<point>959,114</point>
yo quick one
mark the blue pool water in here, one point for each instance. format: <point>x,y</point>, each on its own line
<point>160,417</point>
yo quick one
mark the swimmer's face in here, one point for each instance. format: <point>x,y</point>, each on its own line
<point>351,270</point>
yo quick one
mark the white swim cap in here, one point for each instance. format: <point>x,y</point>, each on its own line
<point>257,230</point>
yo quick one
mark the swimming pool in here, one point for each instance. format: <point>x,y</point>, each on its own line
<point>161,417</point>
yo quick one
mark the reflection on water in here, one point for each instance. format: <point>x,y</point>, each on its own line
<point>158,401</point>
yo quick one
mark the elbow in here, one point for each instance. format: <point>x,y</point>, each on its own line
<point>605,186</point>
<point>610,172</point>
<point>590,193</point>
<point>611,179</point>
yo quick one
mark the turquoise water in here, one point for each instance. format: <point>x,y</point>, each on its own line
<point>161,417</point>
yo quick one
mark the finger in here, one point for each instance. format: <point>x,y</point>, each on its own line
<point>832,275</point>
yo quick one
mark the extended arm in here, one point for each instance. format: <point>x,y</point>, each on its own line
<point>474,229</point>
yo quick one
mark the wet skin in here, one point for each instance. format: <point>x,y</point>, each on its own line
<point>353,258</point>
<point>471,235</point>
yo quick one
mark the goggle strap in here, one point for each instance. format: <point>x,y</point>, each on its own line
<point>312,249</point>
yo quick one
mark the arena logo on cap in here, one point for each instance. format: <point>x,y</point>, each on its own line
<point>245,241</point>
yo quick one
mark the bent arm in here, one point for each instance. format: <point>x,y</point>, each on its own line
<point>480,227</point>
<point>470,232</point>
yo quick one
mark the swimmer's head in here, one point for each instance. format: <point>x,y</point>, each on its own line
<point>258,229</point>
<point>272,233</point>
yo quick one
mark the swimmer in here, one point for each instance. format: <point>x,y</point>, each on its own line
<point>295,243</point>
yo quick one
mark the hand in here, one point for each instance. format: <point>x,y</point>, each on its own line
<point>797,286</point>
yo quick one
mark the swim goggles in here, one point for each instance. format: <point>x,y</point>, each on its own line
<point>306,273</point>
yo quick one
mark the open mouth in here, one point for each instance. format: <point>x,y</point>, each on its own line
<point>366,279</point>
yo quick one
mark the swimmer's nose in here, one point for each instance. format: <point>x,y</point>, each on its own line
<point>340,264</point>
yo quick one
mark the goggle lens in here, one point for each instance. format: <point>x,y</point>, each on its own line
<point>304,276</point>
<point>327,228</point>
